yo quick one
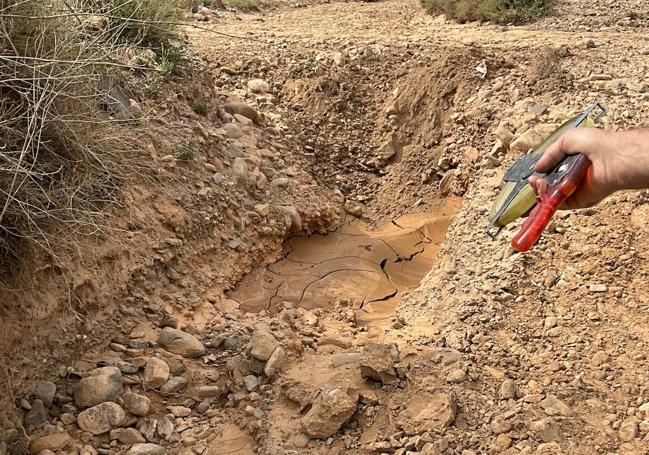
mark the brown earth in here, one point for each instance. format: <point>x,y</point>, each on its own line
<point>373,124</point>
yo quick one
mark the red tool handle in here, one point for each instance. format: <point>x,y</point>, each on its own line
<point>542,213</point>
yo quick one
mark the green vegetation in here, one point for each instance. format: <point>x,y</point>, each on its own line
<point>243,5</point>
<point>500,11</point>
<point>187,150</point>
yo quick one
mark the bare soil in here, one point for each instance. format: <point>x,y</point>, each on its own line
<point>328,254</point>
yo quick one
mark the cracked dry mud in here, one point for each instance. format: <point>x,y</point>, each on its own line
<point>317,281</point>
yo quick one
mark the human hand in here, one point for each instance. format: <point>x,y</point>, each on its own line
<point>620,160</point>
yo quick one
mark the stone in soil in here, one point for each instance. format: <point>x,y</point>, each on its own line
<point>45,391</point>
<point>377,362</point>
<point>275,362</point>
<point>101,418</point>
<point>37,415</point>
<point>130,436</point>
<point>331,409</point>
<point>258,86</point>
<point>137,404</point>
<point>146,449</point>
<point>156,372</point>
<point>548,429</point>
<point>242,109</point>
<point>174,385</point>
<point>181,343</point>
<point>263,345</point>
<point>103,384</point>
<point>427,412</point>
<point>54,441</point>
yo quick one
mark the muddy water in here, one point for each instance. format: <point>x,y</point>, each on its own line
<point>372,268</point>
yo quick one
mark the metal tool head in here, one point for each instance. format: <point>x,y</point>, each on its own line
<point>517,191</point>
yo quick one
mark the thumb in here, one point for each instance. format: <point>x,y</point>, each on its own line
<point>557,151</point>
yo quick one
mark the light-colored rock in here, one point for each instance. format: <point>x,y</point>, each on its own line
<point>456,375</point>
<point>426,412</point>
<point>293,219</point>
<point>378,360</point>
<point>548,429</point>
<point>179,411</point>
<point>54,441</point>
<point>181,343</point>
<point>146,449</point>
<point>263,345</point>
<point>240,169</point>
<point>508,389</point>
<point>156,372</point>
<point>251,382</point>
<point>165,427</point>
<point>137,404</point>
<point>209,391</point>
<point>335,339</point>
<point>629,429</point>
<point>275,362</point>
<point>101,418</point>
<point>329,412</point>
<point>232,131</point>
<point>553,406</point>
<point>103,384</point>
<point>258,86</point>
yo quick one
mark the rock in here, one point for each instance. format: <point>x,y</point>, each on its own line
<point>263,210</point>
<point>263,345</point>
<point>240,169</point>
<point>390,148</point>
<point>456,375</point>
<point>146,449</point>
<point>427,412</point>
<point>300,440</point>
<point>258,86</point>
<point>103,384</point>
<point>548,429</point>
<point>629,429</point>
<point>67,418</point>
<point>179,411</point>
<point>504,134</point>
<point>600,358</point>
<point>131,436</point>
<point>331,409</point>
<point>275,362</point>
<point>45,391</point>
<point>37,415</point>
<point>245,121</point>
<point>54,441</point>
<point>553,406</point>
<point>174,385</point>
<point>232,131</point>
<point>501,425</point>
<point>181,343</point>
<point>292,218</point>
<point>429,449</point>
<point>228,71</point>
<point>550,322</point>
<point>165,427</point>
<point>101,418</point>
<point>156,372</point>
<point>530,139</point>
<point>242,109</point>
<point>137,404</point>
<point>251,382</point>
<point>88,450</point>
<point>589,43</point>
<point>209,391</point>
<point>377,362</point>
<point>345,358</point>
<point>335,339</point>
<point>597,288</point>
<point>148,428</point>
<point>502,443</point>
<point>508,389</point>
<point>339,59</point>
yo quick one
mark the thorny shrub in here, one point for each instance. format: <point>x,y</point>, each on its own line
<point>62,157</point>
<point>500,11</point>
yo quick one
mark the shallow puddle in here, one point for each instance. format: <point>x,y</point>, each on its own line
<point>372,268</point>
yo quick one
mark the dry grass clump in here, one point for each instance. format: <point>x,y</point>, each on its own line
<point>500,11</point>
<point>61,156</point>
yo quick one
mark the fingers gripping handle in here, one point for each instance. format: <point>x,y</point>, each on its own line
<point>542,213</point>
